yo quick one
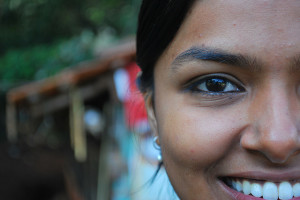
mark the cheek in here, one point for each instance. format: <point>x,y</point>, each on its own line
<point>198,137</point>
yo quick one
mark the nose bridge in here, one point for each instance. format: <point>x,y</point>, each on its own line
<point>277,117</point>
<point>278,136</point>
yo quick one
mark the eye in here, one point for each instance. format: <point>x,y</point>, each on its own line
<point>215,84</point>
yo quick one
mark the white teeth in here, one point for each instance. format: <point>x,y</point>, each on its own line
<point>269,190</point>
<point>256,190</point>
<point>239,186</point>
<point>285,191</point>
<point>246,187</point>
<point>233,185</point>
<point>296,190</point>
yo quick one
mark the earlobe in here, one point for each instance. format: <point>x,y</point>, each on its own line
<point>149,104</point>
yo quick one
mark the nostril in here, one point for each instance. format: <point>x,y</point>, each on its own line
<point>279,151</point>
<point>273,144</point>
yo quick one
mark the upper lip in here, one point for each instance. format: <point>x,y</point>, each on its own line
<point>267,176</point>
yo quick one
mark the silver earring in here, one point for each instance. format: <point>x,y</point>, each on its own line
<point>157,147</point>
<point>159,157</point>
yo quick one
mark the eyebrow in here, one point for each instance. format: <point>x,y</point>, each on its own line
<point>215,55</point>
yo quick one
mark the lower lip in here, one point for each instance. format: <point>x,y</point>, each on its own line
<point>240,196</point>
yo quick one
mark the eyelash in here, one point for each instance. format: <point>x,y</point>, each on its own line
<point>197,85</point>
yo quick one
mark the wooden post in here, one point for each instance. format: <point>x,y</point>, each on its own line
<point>104,182</point>
<point>71,123</point>
<point>104,170</point>
<point>11,122</point>
<point>77,131</point>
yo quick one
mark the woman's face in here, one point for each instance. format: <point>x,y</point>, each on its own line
<point>227,101</point>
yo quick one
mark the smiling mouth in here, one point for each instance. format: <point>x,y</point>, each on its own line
<point>264,189</point>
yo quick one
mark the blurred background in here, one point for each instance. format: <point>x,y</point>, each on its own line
<point>73,124</point>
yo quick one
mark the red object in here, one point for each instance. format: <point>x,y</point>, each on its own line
<point>135,112</point>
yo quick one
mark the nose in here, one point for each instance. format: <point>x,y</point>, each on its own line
<point>274,128</point>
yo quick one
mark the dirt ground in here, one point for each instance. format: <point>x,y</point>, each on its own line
<point>31,173</point>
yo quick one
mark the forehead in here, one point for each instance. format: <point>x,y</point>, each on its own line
<point>251,27</point>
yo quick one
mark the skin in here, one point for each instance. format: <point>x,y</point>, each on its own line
<point>254,131</point>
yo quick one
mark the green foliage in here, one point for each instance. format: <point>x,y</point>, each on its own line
<point>39,38</point>
<point>34,63</point>
<point>27,22</point>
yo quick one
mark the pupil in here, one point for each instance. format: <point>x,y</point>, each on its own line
<point>215,85</point>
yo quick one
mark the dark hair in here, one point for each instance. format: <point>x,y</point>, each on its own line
<point>158,23</point>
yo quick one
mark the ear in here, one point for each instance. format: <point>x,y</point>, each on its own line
<point>149,104</point>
